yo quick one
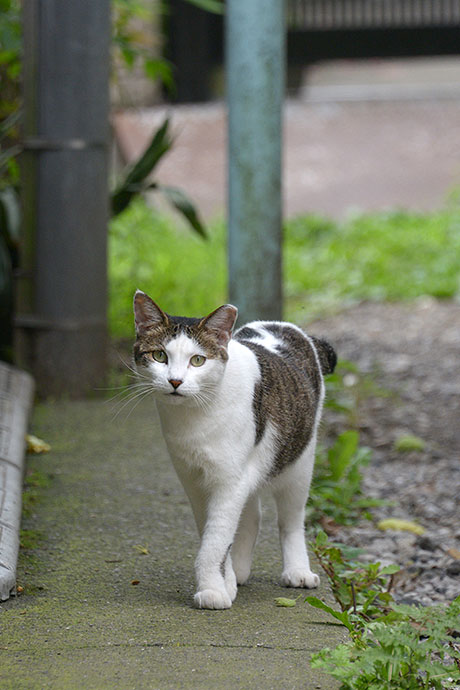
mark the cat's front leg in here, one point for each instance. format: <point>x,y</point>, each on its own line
<point>216,580</point>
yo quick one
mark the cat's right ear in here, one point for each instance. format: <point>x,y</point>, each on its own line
<point>147,313</point>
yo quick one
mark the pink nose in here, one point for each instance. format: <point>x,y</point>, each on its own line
<point>175,383</point>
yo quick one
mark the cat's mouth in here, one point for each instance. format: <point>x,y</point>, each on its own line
<point>177,394</point>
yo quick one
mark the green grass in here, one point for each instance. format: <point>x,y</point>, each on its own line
<point>386,256</point>
<point>381,256</point>
<point>185,274</point>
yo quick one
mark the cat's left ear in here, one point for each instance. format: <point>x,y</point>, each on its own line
<point>222,321</point>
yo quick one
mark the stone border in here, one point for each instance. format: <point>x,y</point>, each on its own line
<point>16,396</point>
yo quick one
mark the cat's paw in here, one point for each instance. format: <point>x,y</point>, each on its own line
<point>299,577</point>
<point>212,599</point>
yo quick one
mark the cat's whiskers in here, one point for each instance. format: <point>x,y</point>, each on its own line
<point>136,373</point>
<point>203,400</point>
<point>142,390</point>
<point>128,394</point>
<point>123,391</point>
<point>140,398</point>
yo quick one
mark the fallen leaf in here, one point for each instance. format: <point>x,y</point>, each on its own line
<point>36,445</point>
<point>454,553</point>
<point>135,582</point>
<point>19,589</point>
<point>282,601</point>
<point>401,525</point>
<point>142,549</point>
<point>329,525</point>
<point>408,443</point>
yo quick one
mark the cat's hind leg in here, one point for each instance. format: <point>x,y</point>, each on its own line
<point>291,492</point>
<point>245,539</point>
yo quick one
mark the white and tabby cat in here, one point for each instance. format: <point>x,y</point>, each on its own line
<point>236,413</point>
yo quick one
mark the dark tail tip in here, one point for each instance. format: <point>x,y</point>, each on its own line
<point>327,355</point>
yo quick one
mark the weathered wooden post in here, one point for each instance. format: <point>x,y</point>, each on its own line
<point>63,293</point>
<point>255,49</point>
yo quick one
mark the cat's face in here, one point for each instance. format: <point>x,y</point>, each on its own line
<point>183,359</point>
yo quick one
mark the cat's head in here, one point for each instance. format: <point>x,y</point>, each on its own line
<point>182,358</point>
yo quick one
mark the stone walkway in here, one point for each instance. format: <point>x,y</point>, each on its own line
<point>97,612</point>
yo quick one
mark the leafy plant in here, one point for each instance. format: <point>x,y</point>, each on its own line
<point>413,649</point>
<point>359,588</point>
<point>10,55</point>
<point>135,181</point>
<point>336,487</point>
<point>132,44</point>
<point>392,647</point>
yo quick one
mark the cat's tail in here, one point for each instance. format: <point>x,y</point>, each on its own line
<point>326,354</point>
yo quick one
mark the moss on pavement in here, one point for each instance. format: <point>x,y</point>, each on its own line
<point>98,612</point>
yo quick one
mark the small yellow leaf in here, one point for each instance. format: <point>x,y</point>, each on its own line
<point>36,445</point>
<point>454,553</point>
<point>401,525</point>
<point>408,443</point>
<point>142,549</point>
<point>282,601</point>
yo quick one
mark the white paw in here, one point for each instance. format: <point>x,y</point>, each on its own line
<point>212,599</point>
<point>299,577</point>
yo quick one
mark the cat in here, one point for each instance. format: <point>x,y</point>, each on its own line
<point>238,411</point>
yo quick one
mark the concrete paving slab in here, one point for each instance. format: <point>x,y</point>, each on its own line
<point>83,622</point>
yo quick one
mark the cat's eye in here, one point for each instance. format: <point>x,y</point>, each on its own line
<point>160,356</point>
<point>197,360</point>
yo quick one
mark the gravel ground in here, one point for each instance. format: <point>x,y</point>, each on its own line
<point>412,353</point>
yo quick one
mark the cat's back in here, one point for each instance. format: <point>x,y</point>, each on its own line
<point>282,346</point>
<point>290,390</point>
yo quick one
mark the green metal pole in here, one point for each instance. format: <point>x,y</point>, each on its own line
<point>255,44</point>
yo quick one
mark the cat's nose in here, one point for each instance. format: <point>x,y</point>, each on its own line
<point>175,383</point>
